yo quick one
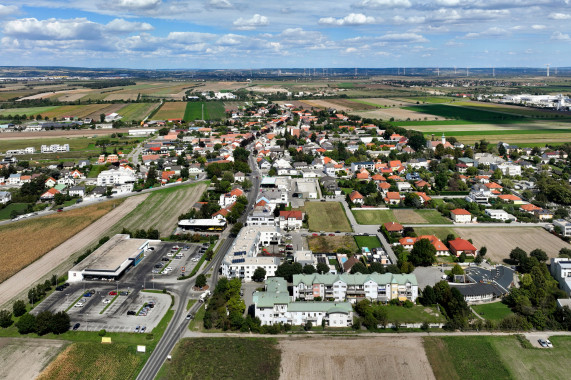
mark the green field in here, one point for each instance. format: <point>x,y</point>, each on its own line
<point>75,144</point>
<point>223,358</point>
<point>327,216</point>
<point>363,216</point>
<point>27,111</point>
<point>415,314</point>
<point>522,111</point>
<point>5,212</point>
<point>136,111</point>
<point>464,113</point>
<point>212,111</point>
<point>367,241</point>
<point>439,232</point>
<point>493,311</point>
<point>496,357</point>
<point>433,217</point>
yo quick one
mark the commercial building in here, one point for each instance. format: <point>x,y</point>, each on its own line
<point>500,215</point>
<point>561,270</point>
<point>275,306</point>
<point>142,131</point>
<point>355,287</point>
<point>113,177</point>
<point>564,225</point>
<point>110,260</point>
<point>242,258</point>
<point>213,224</point>
<point>54,148</point>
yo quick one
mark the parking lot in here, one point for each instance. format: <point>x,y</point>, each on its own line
<point>119,306</point>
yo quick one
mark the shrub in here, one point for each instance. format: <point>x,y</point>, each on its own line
<point>102,332</point>
<point>19,308</point>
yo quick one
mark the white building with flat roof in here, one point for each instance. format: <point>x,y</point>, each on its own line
<point>564,225</point>
<point>113,177</point>
<point>561,270</point>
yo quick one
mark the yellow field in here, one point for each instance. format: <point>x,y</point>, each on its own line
<point>26,241</point>
<point>171,110</point>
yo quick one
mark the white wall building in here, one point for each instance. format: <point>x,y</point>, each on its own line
<point>564,225</point>
<point>500,215</point>
<point>113,177</point>
<point>507,168</point>
<point>561,270</point>
<point>54,148</point>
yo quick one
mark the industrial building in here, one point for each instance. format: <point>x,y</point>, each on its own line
<point>111,260</point>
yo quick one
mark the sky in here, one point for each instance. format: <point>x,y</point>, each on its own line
<point>242,34</point>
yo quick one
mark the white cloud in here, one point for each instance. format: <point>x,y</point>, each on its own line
<point>190,37</point>
<point>251,23</point>
<point>448,3</point>
<point>538,27</point>
<point>219,4</point>
<point>403,37</point>
<point>120,25</point>
<point>6,10</point>
<point>409,20</point>
<point>131,5</point>
<point>560,36</point>
<point>491,32</point>
<point>351,50</point>
<point>349,20</point>
<point>383,4</point>
<point>559,16</point>
<point>56,29</point>
<point>230,40</point>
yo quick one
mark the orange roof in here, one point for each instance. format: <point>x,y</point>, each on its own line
<point>394,164</point>
<point>291,214</point>
<point>422,183</point>
<point>363,176</point>
<point>393,227</point>
<point>384,185</point>
<point>530,207</point>
<point>493,185</point>
<point>423,195</point>
<point>460,244</point>
<point>460,211</point>
<point>509,197</point>
<point>355,195</point>
<point>378,177</point>
<point>167,174</point>
<point>236,192</point>
<point>393,195</point>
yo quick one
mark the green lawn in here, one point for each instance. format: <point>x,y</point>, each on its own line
<point>493,311</point>
<point>223,358</point>
<point>26,111</point>
<point>496,357</point>
<point>212,111</point>
<point>327,216</point>
<point>6,211</point>
<point>433,217</point>
<point>363,216</point>
<point>415,314</point>
<point>439,232</point>
<point>467,114</point>
<point>367,241</point>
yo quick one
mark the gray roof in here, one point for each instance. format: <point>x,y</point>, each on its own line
<point>354,279</point>
<point>478,289</point>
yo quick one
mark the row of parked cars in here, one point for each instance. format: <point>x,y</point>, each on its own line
<point>545,343</point>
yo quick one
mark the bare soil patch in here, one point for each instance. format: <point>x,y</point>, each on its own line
<point>330,244</point>
<point>55,134</point>
<point>329,104</point>
<point>409,217</point>
<point>362,358</point>
<point>120,96</point>
<point>398,114</point>
<point>26,358</point>
<point>500,241</point>
<point>386,102</point>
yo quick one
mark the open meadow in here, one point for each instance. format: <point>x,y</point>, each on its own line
<point>170,110</point>
<point>396,358</point>
<point>23,358</point>
<point>330,244</point>
<point>402,216</point>
<point>212,111</point>
<point>327,216</point>
<point>495,311</point>
<point>223,358</point>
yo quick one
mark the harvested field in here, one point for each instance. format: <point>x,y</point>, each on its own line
<point>327,216</point>
<point>26,264</point>
<point>348,103</point>
<point>362,358</point>
<point>80,111</point>
<point>162,208</point>
<point>500,241</point>
<point>26,358</point>
<point>512,109</point>
<point>56,134</point>
<point>397,114</point>
<point>385,102</point>
<point>327,104</point>
<point>171,110</point>
<point>137,111</point>
<point>408,217</point>
<point>330,244</point>
<point>122,96</point>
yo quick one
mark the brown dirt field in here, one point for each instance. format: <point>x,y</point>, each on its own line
<point>36,247</point>
<point>56,134</point>
<point>171,110</point>
<point>353,105</point>
<point>409,217</point>
<point>500,241</point>
<point>116,96</point>
<point>80,111</point>
<point>397,113</point>
<point>374,358</point>
<point>328,104</point>
<point>387,102</point>
<point>329,244</point>
<point>26,358</point>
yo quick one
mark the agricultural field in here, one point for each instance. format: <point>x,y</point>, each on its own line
<point>397,114</point>
<point>464,113</point>
<point>212,111</point>
<point>223,358</point>
<point>403,216</point>
<point>171,110</point>
<point>137,111</point>
<point>28,111</point>
<point>500,241</point>
<point>383,102</point>
<point>367,241</point>
<point>364,216</point>
<point>398,358</point>
<point>327,216</point>
<point>26,358</point>
<point>161,209</point>
<point>84,361</point>
<point>329,244</point>
<point>515,110</point>
<point>75,144</point>
<point>495,311</point>
<point>26,241</point>
<point>353,105</point>
<point>496,357</point>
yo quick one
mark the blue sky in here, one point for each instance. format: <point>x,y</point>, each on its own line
<point>163,34</point>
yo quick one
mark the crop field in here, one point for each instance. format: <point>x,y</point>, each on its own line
<point>330,244</point>
<point>496,357</point>
<point>171,110</point>
<point>403,216</point>
<point>383,102</point>
<point>28,111</point>
<point>223,358</point>
<point>85,361</point>
<point>136,111</point>
<point>439,232</point>
<point>26,358</point>
<point>500,241</point>
<point>327,216</point>
<point>464,113</point>
<point>25,241</point>
<point>367,241</point>
<point>353,105</point>
<point>397,114</point>
<point>161,209</point>
<point>398,358</point>
<point>364,216</point>
<point>212,111</point>
<point>495,311</point>
<point>516,110</point>
<point>74,144</point>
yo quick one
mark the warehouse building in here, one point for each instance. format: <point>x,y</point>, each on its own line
<point>111,260</point>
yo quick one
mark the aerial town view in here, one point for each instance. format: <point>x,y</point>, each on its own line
<point>219,189</point>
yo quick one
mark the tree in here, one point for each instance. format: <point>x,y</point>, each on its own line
<point>163,131</point>
<point>483,251</point>
<point>539,254</point>
<point>19,308</point>
<point>309,269</point>
<point>5,319</point>
<point>236,228</point>
<point>518,255</point>
<point>308,326</point>
<point>359,268</point>
<point>322,268</point>
<point>412,200</point>
<point>377,267</point>
<point>478,259</point>
<point>417,141</point>
<point>423,253</point>
<point>462,257</point>
<point>200,281</point>
<point>406,267</point>
<point>440,181</point>
<point>43,322</point>
<point>457,270</point>
<point>428,296</point>
<point>259,274</point>
<point>102,117</point>
<point>59,323</point>
<point>565,252</point>
<point>26,324</point>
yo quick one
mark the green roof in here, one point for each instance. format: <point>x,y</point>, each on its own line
<point>59,187</point>
<point>265,299</point>
<point>328,307</point>
<point>354,279</point>
<point>276,285</point>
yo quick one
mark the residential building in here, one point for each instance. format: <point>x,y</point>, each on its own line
<point>459,246</point>
<point>5,197</point>
<point>356,198</point>
<point>461,216</point>
<point>441,248</point>
<point>507,168</point>
<point>290,220</point>
<point>564,225</point>
<point>393,198</point>
<point>77,191</point>
<point>229,198</point>
<point>116,177</point>
<point>561,270</point>
<point>275,306</point>
<point>394,227</point>
<point>355,287</point>
<point>500,215</point>
<point>54,148</point>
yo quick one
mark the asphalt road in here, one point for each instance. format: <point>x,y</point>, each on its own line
<point>182,291</point>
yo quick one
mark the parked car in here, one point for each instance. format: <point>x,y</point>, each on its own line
<point>113,293</point>
<point>88,294</point>
<point>315,234</point>
<point>331,234</point>
<point>106,301</point>
<point>131,312</point>
<point>60,288</point>
<point>549,344</point>
<point>76,326</point>
<point>542,343</point>
<point>137,328</point>
<point>143,329</point>
<point>123,293</point>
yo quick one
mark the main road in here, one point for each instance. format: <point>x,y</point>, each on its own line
<point>182,291</point>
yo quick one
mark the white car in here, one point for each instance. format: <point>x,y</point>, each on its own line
<point>106,300</point>
<point>79,304</point>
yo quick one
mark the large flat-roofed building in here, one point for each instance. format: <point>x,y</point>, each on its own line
<point>213,224</point>
<point>111,259</point>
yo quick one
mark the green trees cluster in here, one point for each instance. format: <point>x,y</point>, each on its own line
<point>225,306</point>
<point>423,253</point>
<point>451,301</point>
<point>370,315</point>
<point>45,322</point>
<point>526,263</point>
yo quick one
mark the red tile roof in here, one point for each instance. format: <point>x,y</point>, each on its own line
<point>460,211</point>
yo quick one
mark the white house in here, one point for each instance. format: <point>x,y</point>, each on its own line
<point>116,177</point>
<point>564,225</point>
<point>5,197</point>
<point>290,220</point>
<point>54,148</point>
<point>77,191</point>
<point>461,216</point>
<point>500,215</point>
<point>561,270</point>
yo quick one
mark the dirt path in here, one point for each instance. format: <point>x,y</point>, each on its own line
<point>354,358</point>
<point>17,285</point>
<point>26,358</point>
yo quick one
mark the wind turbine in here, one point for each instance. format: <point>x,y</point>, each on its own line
<point>547,64</point>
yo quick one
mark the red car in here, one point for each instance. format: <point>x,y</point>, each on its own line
<point>315,234</point>
<point>113,293</point>
<point>331,234</point>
